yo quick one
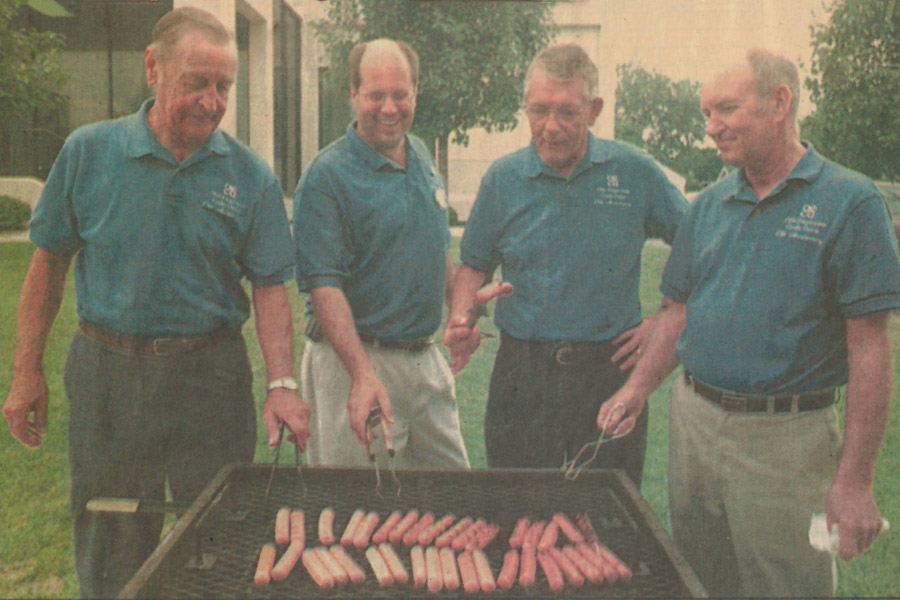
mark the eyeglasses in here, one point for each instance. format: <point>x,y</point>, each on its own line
<point>381,97</point>
<point>566,115</point>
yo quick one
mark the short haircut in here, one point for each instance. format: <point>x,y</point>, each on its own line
<point>566,62</point>
<point>356,56</point>
<point>175,24</point>
<point>770,71</point>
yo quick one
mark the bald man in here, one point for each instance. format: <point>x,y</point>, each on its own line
<point>371,234</point>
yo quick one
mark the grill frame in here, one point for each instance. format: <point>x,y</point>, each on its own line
<point>212,526</point>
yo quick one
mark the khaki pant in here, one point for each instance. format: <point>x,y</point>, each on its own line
<point>422,392</point>
<point>742,489</point>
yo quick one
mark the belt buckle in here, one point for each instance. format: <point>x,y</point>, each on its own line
<point>733,403</point>
<point>564,354</point>
<point>157,343</point>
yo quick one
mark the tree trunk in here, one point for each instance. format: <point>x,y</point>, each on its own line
<point>440,154</point>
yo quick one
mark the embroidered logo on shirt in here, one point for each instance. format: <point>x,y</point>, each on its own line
<point>230,191</point>
<point>225,203</point>
<point>612,194</point>
<point>804,228</point>
<point>612,181</point>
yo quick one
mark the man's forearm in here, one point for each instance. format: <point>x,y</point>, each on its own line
<point>39,303</point>
<point>658,356</point>
<point>466,282</point>
<point>336,318</point>
<point>274,330</point>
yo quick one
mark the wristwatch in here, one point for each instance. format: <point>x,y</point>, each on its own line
<point>288,383</point>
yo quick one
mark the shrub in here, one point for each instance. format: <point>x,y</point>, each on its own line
<point>14,214</point>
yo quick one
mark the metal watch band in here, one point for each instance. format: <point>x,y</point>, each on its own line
<point>283,382</point>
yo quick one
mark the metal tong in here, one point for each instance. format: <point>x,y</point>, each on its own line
<point>372,422</point>
<point>573,468</point>
<point>296,463</point>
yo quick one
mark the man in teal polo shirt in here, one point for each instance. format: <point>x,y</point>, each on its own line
<point>371,233</point>
<point>165,215</point>
<point>780,285</point>
<point>566,218</point>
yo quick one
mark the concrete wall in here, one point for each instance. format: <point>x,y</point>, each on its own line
<point>26,189</point>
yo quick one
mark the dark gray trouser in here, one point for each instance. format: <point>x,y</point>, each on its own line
<point>540,412</point>
<point>136,422</point>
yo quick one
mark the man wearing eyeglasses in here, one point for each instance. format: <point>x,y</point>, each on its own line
<point>371,233</point>
<point>566,219</point>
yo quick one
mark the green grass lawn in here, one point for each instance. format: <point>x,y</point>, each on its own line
<point>35,546</point>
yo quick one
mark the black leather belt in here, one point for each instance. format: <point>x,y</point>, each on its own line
<point>414,346</point>
<point>157,346</point>
<point>755,404</point>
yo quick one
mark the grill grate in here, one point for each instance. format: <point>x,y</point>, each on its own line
<point>232,519</point>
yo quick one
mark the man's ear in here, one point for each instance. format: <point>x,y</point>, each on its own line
<point>781,102</point>
<point>595,108</point>
<point>151,67</point>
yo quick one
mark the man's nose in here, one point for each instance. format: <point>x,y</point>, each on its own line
<point>714,127</point>
<point>209,100</point>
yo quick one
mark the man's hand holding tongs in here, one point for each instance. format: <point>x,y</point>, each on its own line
<point>367,395</point>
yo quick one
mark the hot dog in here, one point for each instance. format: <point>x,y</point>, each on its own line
<point>298,528</point>
<point>411,536</point>
<point>548,537</point>
<point>446,538</point>
<point>350,531</point>
<point>264,565</point>
<point>448,568</point>
<point>518,533</point>
<point>398,571</point>
<point>381,536</point>
<point>483,569</point>
<point>468,573</point>
<point>403,526</point>
<point>338,573</point>
<point>551,571</point>
<point>569,530</point>
<point>287,561</point>
<point>432,531</point>
<point>534,534</point>
<point>468,536</point>
<point>609,571</point>
<point>482,537</point>
<point>364,530</point>
<point>326,526</point>
<point>316,569</point>
<point>527,566</point>
<point>587,568</point>
<point>571,572</point>
<point>283,526</point>
<point>507,574</point>
<point>433,571</point>
<point>354,571</point>
<point>417,559</point>
<point>379,567</point>
<point>621,568</point>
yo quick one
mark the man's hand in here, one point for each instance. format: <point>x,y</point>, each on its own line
<point>26,408</point>
<point>617,415</point>
<point>631,343</point>
<point>854,511</point>
<point>365,395</point>
<point>492,290</point>
<point>285,406</point>
<point>462,340</point>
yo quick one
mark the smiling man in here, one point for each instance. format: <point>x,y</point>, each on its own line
<point>165,215</point>
<point>780,285</point>
<point>566,219</point>
<point>372,235</point>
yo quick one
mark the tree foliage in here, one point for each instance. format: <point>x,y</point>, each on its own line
<point>473,55</point>
<point>30,72</point>
<point>855,83</point>
<point>663,117</point>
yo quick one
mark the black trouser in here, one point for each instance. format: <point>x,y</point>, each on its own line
<point>543,403</point>
<point>137,422</point>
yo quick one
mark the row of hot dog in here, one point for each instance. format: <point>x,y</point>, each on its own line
<point>433,554</point>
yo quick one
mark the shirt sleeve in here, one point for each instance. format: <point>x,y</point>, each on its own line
<point>478,246</point>
<point>323,252</point>
<point>667,208</point>
<point>53,226</point>
<point>266,258</point>
<point>677,282</point>
<point>864,270</point>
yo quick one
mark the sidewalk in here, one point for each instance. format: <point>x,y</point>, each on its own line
<point>18,236</point>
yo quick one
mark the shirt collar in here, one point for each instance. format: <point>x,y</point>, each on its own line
<point>142,142</point>
<point>807,170</point>
<point>598,151</point>
<point>373,159</point>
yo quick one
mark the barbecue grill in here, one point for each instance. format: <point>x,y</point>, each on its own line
<point>212,550</point>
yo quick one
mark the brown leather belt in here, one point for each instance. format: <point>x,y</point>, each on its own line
<point>755,404</point>
<point>157,346</point>
<point>413,346</point>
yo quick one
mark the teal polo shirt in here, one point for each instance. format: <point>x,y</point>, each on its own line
<point>161,247</point>
<point>769,284</point>
<point>376,231</point>
<point>571,248</point>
